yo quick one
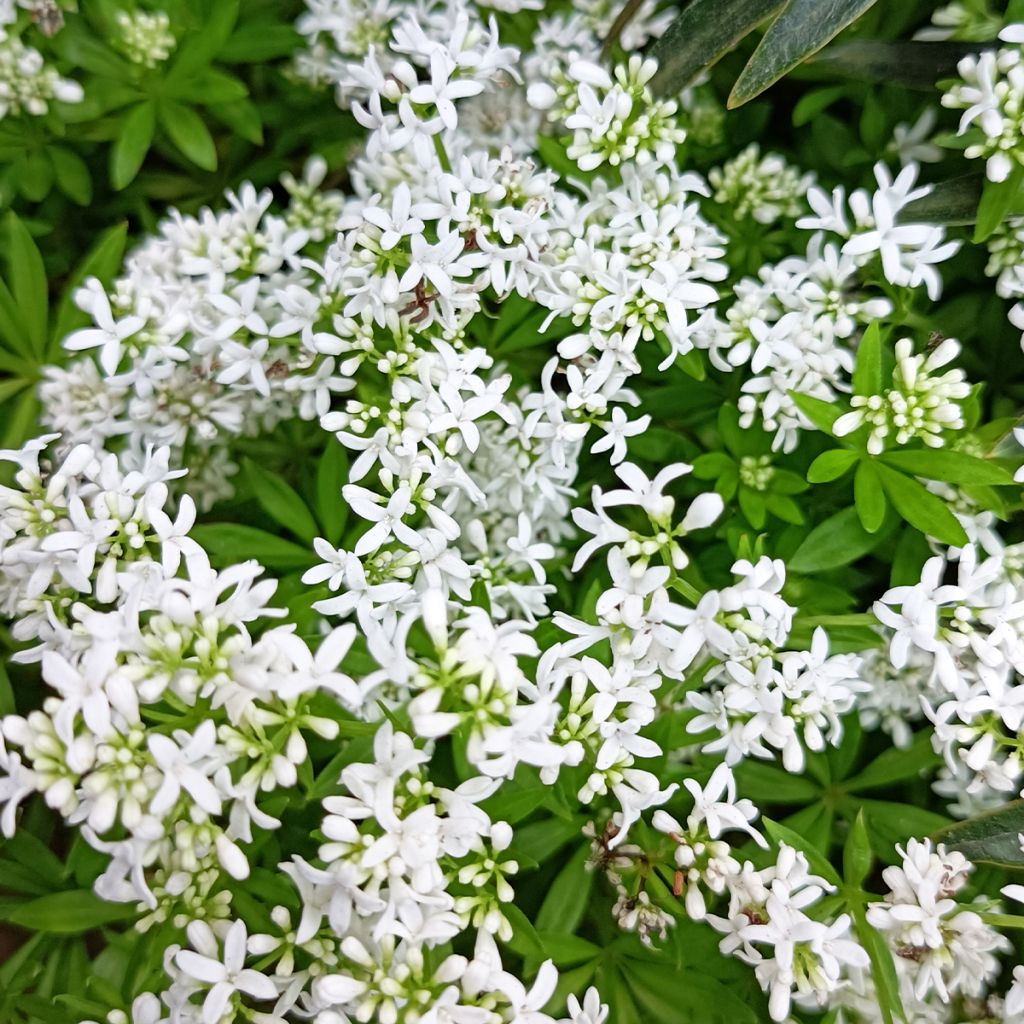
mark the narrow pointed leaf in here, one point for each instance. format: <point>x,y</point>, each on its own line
<point>911,63</point>
<point>803,28</point>
<point>703,33</point>
<point>991,837</point>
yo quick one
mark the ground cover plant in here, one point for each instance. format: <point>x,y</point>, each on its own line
<point>509,512</point>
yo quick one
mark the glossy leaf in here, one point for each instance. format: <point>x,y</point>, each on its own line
<point>704,31</point>
<point>998,199</point>
<point>831,465</point>
<point>950,466</point>
<point>867,371</point>
<point>868,496</point>
<point>907,62</point>
<point>991,837</point>
<point>837,541</point>
<point>919,507</point>
<point>803,28</point>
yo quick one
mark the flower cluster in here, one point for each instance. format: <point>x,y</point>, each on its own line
<point>566,604</point>
<point>991,95</point>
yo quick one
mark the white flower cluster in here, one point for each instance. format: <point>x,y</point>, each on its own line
<point>991,95</point>
<point>27,83</point>
<point>797,324</point>
<point>971,636</point>
<point>145,37</point>
<point>1006,265</point>
<point>182,723</point>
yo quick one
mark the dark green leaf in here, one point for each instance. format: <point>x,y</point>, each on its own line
<point>525,941</point>
<point>991,837</point>
<point>803,28</point>
<point>704,31</point>
<point>568,896</point>
<point>953,202</point>
<point>911,63</point>
<point>281,502</point>
<point>897,764</point>
<point>919,507</point>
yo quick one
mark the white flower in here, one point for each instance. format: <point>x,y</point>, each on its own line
<point>224,972</point>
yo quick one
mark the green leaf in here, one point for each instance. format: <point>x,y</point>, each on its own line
<point>242,117</point>
<point>857,856</point>
<point>204,43</point>
<point>998,199</point>
<point>568,896</point>
<point>867,372</point>
<point>259,43</point>
<point>703,32</point>
<point>837,541</point>
<point>27,278</point>
<point>566,950</point>
<point>671,996</point>
<point>819,864</point>
<point>68,913</point>
<point>102,262</point>
<point>953,202</point>
<point>226,543</point>
<point>831,465</point>
<point>72,174</point>
<point>919,507</point>
<point>891,823</point>
<point>822,414</point>
<point>803,28</point>
<point>132,144</point>
<point>525,941</point>
<point>281,502</point>
<point>911,63</point>
<point>951,466</point>
<point>331,474</point>
<point>883,969</point>
<point>990,837</point>
<point>897,764</point>
<point>186,130</point>
<point>208,87</point>
<point>765,783</point>
<point>868,497</point>
<point>6,692</point>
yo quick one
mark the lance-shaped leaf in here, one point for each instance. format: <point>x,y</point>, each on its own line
<point>991,837</point>
<point>704,32</point>
<point>803,28</point>
<point>953,202</point>
<point>910,63</point>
